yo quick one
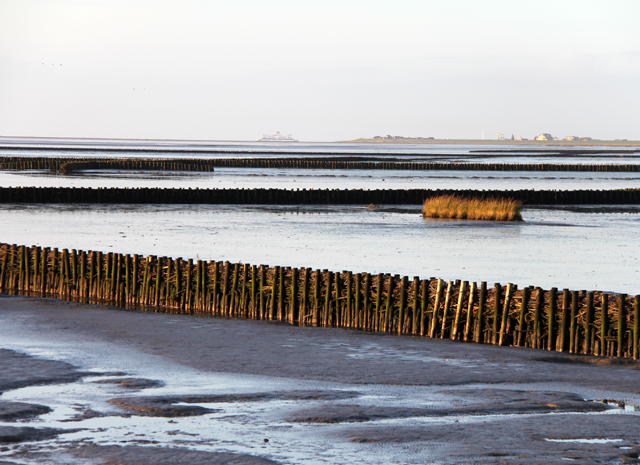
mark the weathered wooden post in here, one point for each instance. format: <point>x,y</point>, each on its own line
<point>389,305</point>
<point>551,323</point>
<point>479,335</point>
<point>378,310</point>
<point>469,323</point>
<point>496,313</point>
<point>262,279</point>
<point>505,313</point>
<point>604,326</point>
<point>436,308</point>
<point>447,306</point>
<point>588,327</point>
<point>293,296</point>
<point>424,306</point>
<point>327,298</point>
<point>456,322</point>
<point>564,323</point>
<point>622,319</point>
<point>573,334</point>
<point>402,304</point>
<point>415,323</point>
<point>522,328</point>
<point>158,282</point>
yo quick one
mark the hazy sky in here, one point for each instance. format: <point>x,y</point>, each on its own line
<point>320,70</point>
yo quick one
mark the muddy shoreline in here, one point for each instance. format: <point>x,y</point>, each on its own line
<point>142,384</point>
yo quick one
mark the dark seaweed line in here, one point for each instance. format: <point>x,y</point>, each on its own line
<point>68,164</point>
<point>579,322</point>
<point>87,195</point>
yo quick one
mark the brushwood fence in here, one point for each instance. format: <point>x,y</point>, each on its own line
<point>69,164</point>
<point>579,322</point>
<point>65,165</point>
<point>305,196</point>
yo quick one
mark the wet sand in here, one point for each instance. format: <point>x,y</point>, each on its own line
<point>315,394</point>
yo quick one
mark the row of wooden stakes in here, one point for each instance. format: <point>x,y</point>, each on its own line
<point>304,161</point>
<point>580,322</point>
<point>261,196</point>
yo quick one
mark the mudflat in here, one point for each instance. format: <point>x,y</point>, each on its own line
<point>300,395</point>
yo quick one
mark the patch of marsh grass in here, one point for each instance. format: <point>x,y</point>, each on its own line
<point>452,206</point>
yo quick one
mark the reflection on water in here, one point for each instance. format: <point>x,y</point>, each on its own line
<point>272,178</point>
<point>577,248</point>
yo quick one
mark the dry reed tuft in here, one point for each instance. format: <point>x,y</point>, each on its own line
<point>451,206</point>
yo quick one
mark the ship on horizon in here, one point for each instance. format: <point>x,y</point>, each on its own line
<point>277,137</point>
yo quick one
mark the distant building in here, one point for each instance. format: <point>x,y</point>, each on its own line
<point>543,136</point>
<point>522,138</point>
<point>571,138</point>
<point>390,137</point>
<point>500,136</point>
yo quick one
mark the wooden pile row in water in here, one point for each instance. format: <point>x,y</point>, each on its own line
<point>571,321</point>
<point>67,164</point>
<point>145,195</point>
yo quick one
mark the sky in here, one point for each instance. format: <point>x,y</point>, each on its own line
<point>320,70</point>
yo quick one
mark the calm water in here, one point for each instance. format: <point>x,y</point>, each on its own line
<point>327,179</point>
<point>580,248</point>
<point>502,153</point>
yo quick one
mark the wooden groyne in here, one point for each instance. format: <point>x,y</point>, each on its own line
<point>579,322</point>
<point>69,164</point>
<point>305,196</point>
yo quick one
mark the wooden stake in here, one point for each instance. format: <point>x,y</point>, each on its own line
<point>564,324</point>
<point>551,323</point>
<point>357,317</point>
<point>447,306</point>
<point>436,309</point>
<point>158,282</point>
<point>479,336</point>
<point>456,323</point>
<point>522,328</point>
<point>415,328</point>
<point>588,327</point>
<point>316,297</point>
<point>262,278</point>
<point>505,313</point>
<point>254,292</point>
<point>293,296</point>
<point>496,313</point>
<point>303,311</point>
<point>604,326</point>
<point>378,310</point>
<point>573,326</point>
<point>338,299</point>
<point>424,306</point>
<point>622,320</point>
<point>327,299</point>
<point>388,306</point>
<point>274,289</point>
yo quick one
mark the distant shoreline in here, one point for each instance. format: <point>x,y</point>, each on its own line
<point>555,143</point>
<point>560,143</point>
